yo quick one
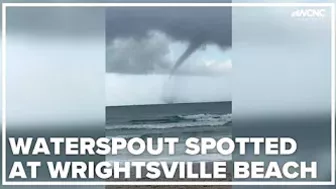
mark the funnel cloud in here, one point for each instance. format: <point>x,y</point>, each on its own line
<point>193,46</point>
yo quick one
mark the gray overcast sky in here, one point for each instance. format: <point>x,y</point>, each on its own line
<point>141,40</point>
<point>144,43</point>
<point>260,41</point>
<point>209,25</point>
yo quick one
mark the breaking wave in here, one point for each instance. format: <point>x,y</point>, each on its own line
<point>194,120</point>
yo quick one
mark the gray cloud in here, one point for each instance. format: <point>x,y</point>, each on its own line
<point>138,56</point>
<point>205,24</point>
<point>197,26</point>
<point>157,54</point>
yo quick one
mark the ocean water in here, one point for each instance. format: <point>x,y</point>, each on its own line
<point>213,119</point>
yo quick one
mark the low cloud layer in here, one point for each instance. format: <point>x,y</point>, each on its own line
<point>202,24</point>
<point>157,54</point>
<point>138,56</point>
<point>196,26</point>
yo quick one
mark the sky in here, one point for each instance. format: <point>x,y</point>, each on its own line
<point>170,31</point>
<point>55,67</point>
<point>280,68</point>
<point>142,53</point>
<point>272,59</point>
<point>204,77</point>
<point>157,54</point>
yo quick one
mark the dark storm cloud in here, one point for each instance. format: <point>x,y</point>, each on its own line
<point>57,15</point>
<point>195,25</point>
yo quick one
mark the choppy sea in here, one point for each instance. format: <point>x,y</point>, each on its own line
<point>213,119</point>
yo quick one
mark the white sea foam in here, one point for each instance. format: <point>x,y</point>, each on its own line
<point>208,117</point>
<point>196,120</point>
